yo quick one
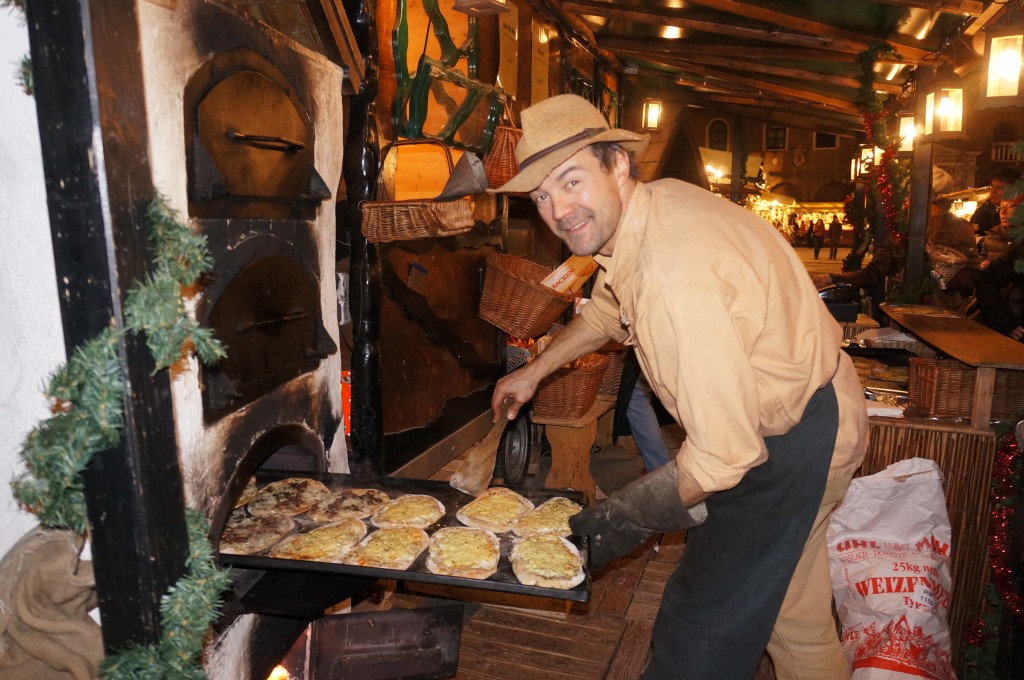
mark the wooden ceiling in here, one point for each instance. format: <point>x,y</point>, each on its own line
<point>790,61</point>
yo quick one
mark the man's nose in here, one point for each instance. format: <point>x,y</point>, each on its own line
<point>561,206</point>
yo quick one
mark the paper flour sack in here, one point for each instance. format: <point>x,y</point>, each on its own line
<point>889,545</point>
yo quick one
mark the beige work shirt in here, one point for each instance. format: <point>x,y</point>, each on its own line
<point>728,328</point>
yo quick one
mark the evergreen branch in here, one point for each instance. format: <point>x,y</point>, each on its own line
<point>23,75</point>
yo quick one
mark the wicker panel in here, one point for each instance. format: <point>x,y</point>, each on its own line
<point>513,299</point>
<point>500,164</point>
<point>570,392</point>
<point>616,354</point>
<point>944,388</point>
<point>965,457</point>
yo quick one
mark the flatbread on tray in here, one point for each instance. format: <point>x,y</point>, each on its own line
<point>246,535</point>
<point>329,543</point>
<point>391,548</point>
<point>546,560</point>
<point>550,517</point>
<point>357,503</point>
<point>411,510</point>
<point>495,509</point>
<point>463,551</point>
<point>292,496</point>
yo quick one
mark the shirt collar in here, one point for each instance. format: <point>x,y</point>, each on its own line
<point>632,225</point>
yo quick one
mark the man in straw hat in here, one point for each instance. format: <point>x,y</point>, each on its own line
<point>733,338</point>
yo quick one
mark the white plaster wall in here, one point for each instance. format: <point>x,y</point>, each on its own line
<point>31,340</point>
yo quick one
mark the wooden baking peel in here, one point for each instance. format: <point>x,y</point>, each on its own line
<point>477,468</point>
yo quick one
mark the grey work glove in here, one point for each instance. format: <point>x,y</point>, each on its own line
<point>633,514</point>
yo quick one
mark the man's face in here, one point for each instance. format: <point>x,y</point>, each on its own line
<point>1006,211</point>
<point>998,187</point>
<point>581,202</point>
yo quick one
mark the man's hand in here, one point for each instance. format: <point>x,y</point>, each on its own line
<point>1017,333</point>
<point>822,280</point>
<point>513,391</point>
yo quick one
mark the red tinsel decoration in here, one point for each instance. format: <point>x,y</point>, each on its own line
<point>1003,496</point>
<point>890,210</point>
<point>977,635</point>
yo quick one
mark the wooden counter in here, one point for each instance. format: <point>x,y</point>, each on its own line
<point>968,342</point>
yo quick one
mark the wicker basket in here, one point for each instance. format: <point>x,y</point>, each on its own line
<point>944,388</point>
<point>513,299</point>
<point>570,392</point>
<point>386,220</point>
<point>616,353</point>
<point>500,164</point>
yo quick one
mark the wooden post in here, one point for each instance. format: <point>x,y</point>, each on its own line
<point>920,199</point>
<point>90,103</point>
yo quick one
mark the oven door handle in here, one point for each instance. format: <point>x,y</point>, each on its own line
<point>245,326</point>
<point>265,142</point>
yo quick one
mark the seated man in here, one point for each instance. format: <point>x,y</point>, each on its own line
<point>999,287</point>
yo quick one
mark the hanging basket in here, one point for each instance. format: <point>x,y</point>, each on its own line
<point>616,353</point>
<point>500,164</point>
<point>570,391</point>
<point>513,299</point>
<point>387,220</point>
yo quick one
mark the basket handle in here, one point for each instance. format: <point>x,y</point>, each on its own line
<point>381,192</point>
<point>509,114</point>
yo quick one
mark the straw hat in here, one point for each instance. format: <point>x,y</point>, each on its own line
<point>553,131</point>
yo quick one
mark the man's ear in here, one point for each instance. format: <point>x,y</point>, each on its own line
<point>621,167</point>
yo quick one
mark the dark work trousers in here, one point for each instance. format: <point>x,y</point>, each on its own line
<point>721,603</point>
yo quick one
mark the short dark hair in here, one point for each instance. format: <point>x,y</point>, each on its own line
<point>1006,174</point>
<point>605,152</point>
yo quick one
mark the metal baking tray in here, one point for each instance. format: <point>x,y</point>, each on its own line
<point>503,580</point>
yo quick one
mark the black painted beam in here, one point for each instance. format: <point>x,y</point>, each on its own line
<point>88,79</point>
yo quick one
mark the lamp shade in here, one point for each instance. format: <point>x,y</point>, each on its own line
<point>652,114</point>
<point>1001,75</point>
<point>943,110</point>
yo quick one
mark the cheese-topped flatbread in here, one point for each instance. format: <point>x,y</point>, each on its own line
<point>550,517</point>
<point>392,548</point>
<point>357,503</point>
<point>495,509</point>
<point>463,551</point>
<point>245,535</point>
<point>329,543</point>
<point>248,493</point>
<point>292,496</point>
<point>546,560</point>
<point>410,510</point>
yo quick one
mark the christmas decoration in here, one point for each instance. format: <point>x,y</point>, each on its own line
<point>87,403</point>
<point>1004,598</point>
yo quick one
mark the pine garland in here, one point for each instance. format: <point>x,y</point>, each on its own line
<point>87,403</point>
<point>186,613</point>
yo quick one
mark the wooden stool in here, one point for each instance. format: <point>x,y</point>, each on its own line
<point>571,441</point>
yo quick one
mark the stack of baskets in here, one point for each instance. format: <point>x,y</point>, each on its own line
<point>616,353</point>
<point>944,388</point>
<point>513,299</point>
<point>570,391</point>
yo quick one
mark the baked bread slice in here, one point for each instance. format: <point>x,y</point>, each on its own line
<point>247,535</point>
<point>248,493</point>
<point>329,543</point>
<point>391,548</point>
<point>358,503</point>
<point>546,560</point>
<point>292,496</point>
<point>495,509</point>
<point>411,510</point>
<point>463,551</point>
<point>550,517</point>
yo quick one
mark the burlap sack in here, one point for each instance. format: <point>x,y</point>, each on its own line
<point>46,593</point>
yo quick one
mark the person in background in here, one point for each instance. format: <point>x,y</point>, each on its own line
<point>996,243</point>
<point>635,415</point>
<point>835,233</point>
<point>986,216</point>
<point>999,288</point>
<point>737,345</point>
<point>818,237</point>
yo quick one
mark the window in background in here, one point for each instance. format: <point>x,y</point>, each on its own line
<point>825,140</point>
<point>718,135</point>
<point>775,137</point>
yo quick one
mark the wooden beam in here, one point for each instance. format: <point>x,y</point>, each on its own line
<point>781,71</point>
<point>668,17</point>
<point>992,11</point>
<point>778,17</point>
<point>966,7</point>
<point>91,106</point>
<point>764,85</point>
<point>334,14</point>
<point>818,35</point>
<point>675,46</point>
<point>774,111</point>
